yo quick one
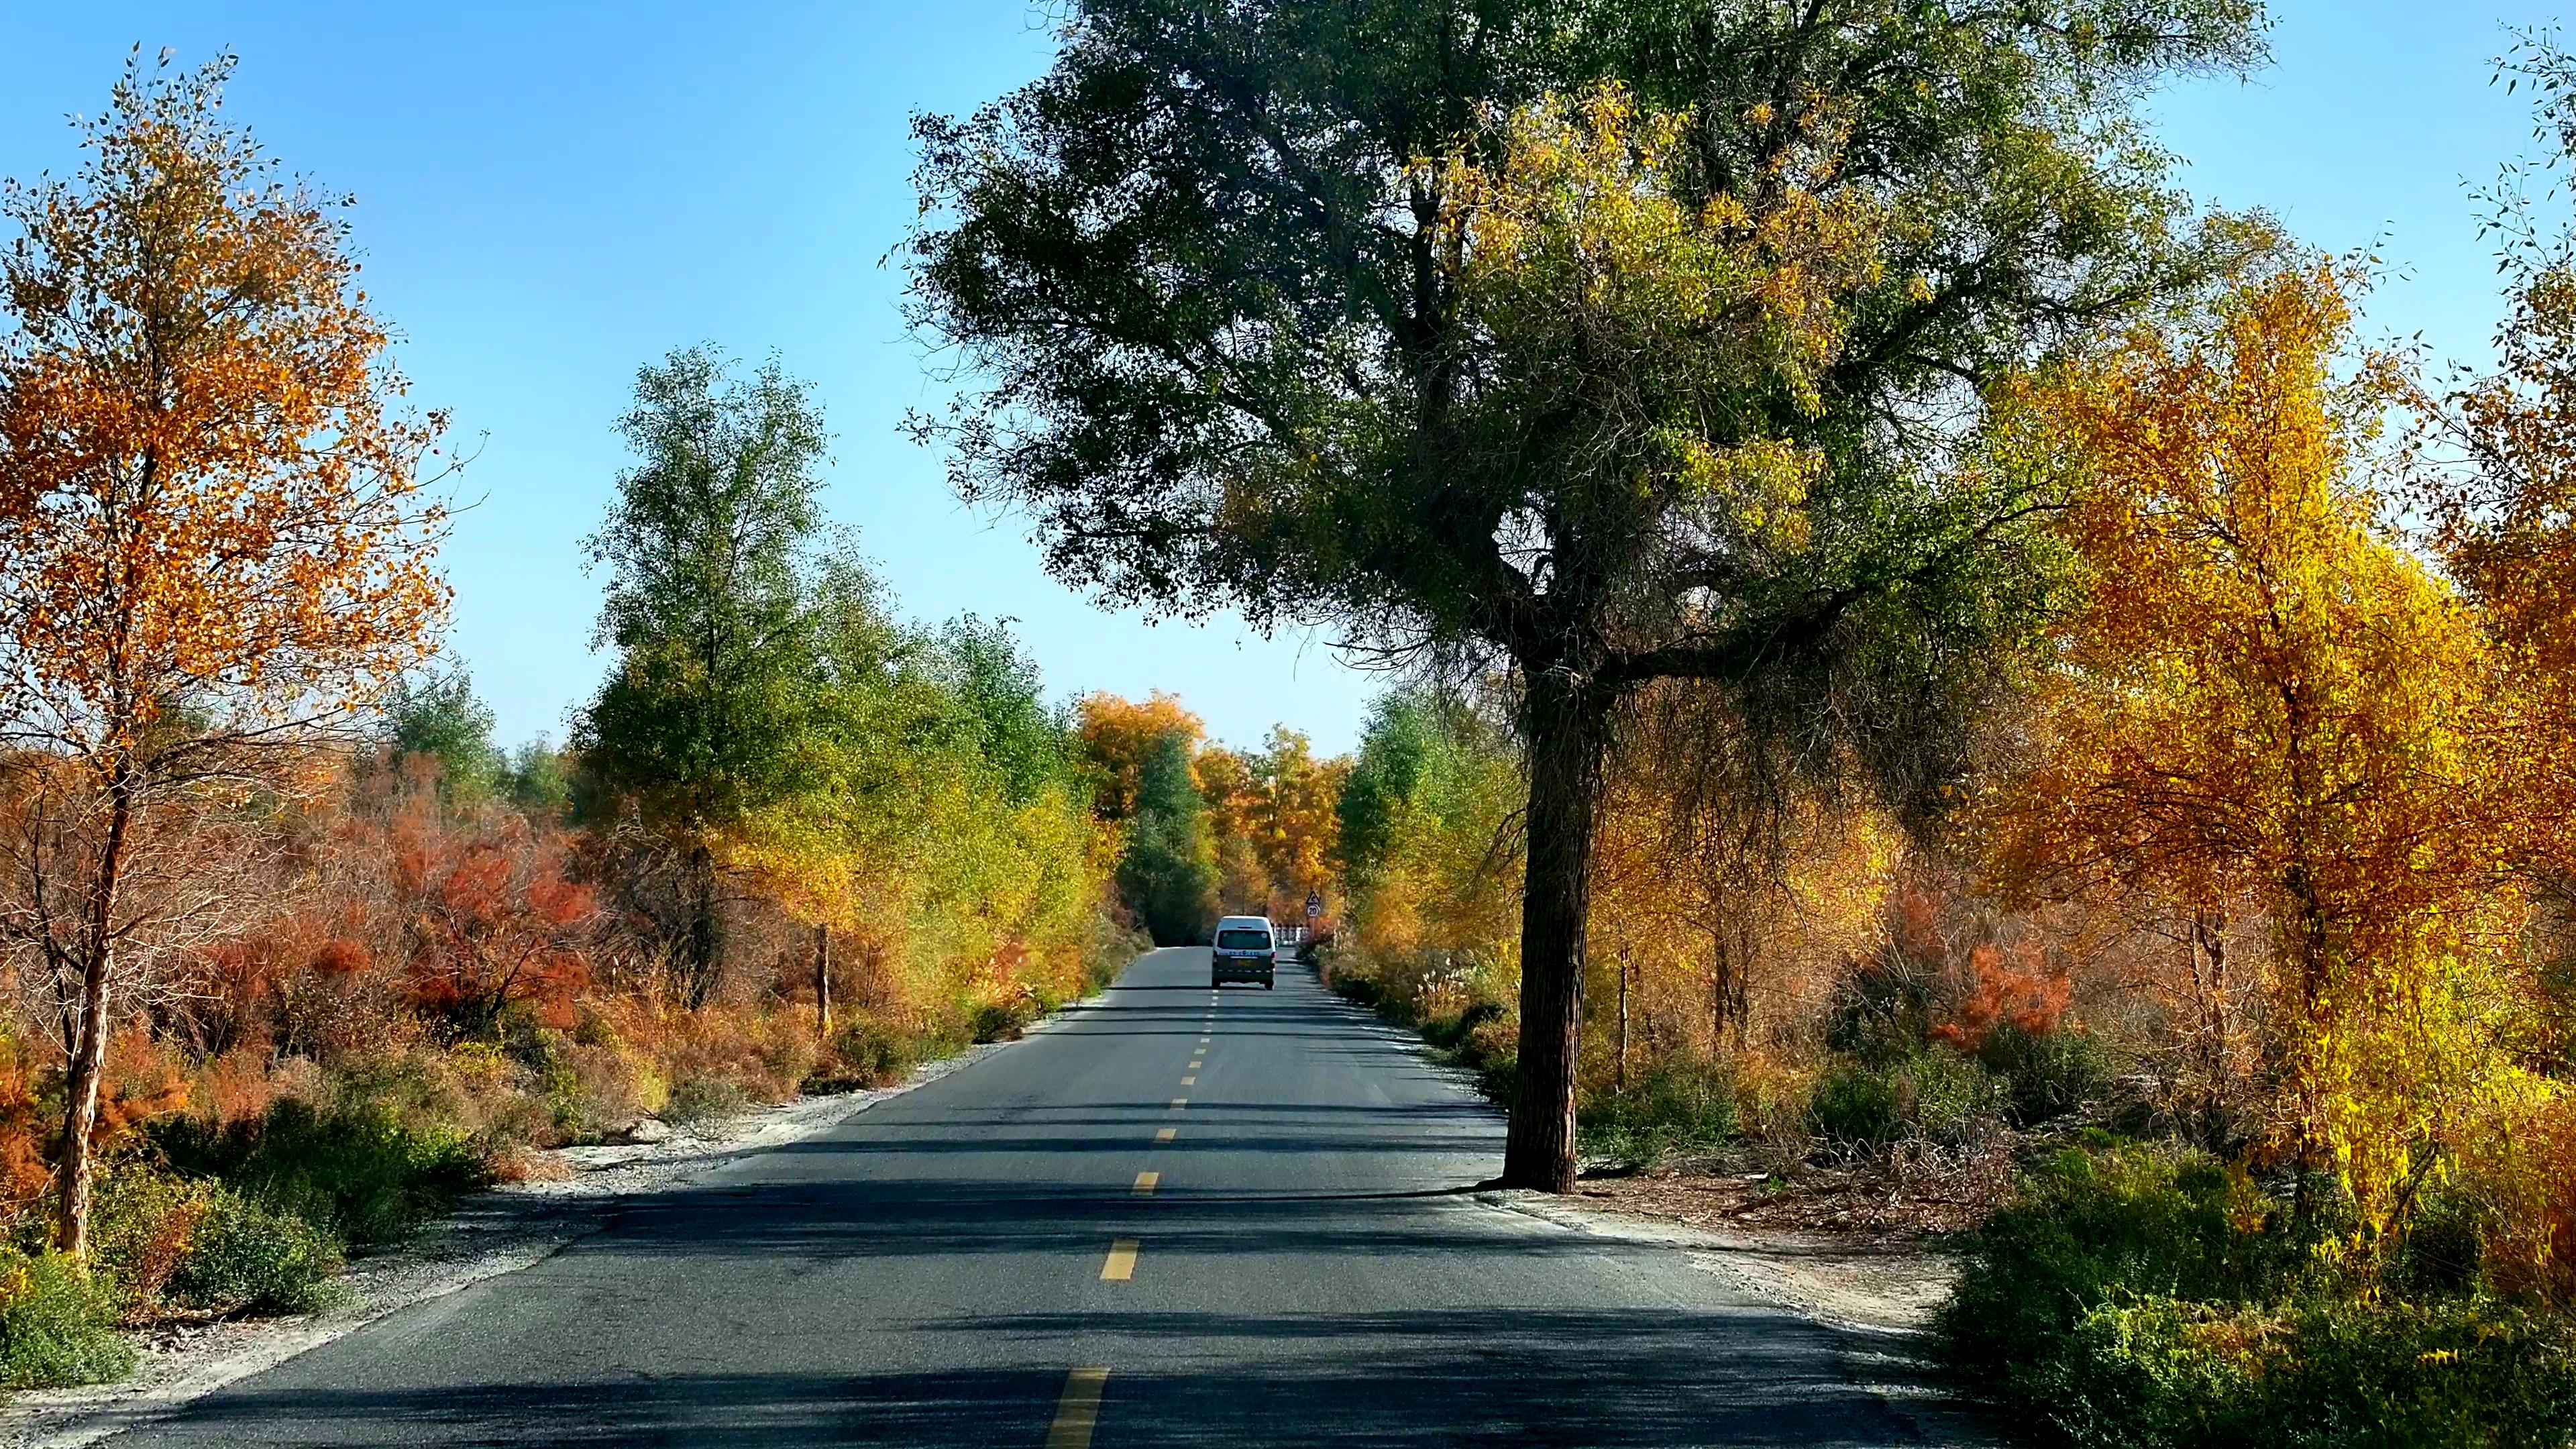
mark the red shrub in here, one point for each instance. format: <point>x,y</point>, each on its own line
<point>494,921</point>
<point>2021,989</point>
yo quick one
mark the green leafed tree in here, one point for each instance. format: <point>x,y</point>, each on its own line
<point>722,609</point>
<point>1397,752</point>
<point>539,780</point>
<point>1002,706</point>
<point>1593,346</point>
<point>1167,876</point>
<point>439,716</point>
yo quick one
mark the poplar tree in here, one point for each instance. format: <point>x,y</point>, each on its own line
<point>1590,345</point>
<point>1166,875</point>
<point>214,545</point>
<point>720,607</point>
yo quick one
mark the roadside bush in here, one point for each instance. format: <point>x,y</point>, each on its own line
<point>1678,1104</point>
<point>1854,1103</point>
<point>246,1256</point>
<point>1107,946</point>
<point>869,1053</point>
<point>2046,1076</point>
<point>766,1055</point>
<point>352,1168</point>
<point>703,1099</point>
<point>1001,1020</point>
<point>2464,1373</point>
<point>605,1087</point>
<point>1450,1033</point>
<point>1934,1093</point>
<point>141,1224</point>
<point>1351,983</point>
<point>2106,1228</point>
<point>1491,1050</point>
<point>58,1324</point>
<point>2467,1372</point>
<point>1947,1096</point>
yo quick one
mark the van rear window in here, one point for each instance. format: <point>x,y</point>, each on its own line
<point>1243,940</point>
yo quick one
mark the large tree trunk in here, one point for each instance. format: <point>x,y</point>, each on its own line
<point>71,1229</point>
<point>1569,732</point>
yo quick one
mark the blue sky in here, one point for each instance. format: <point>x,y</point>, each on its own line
<point>551,195</point>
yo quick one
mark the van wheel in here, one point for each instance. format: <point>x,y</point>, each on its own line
<point>1269,985</point>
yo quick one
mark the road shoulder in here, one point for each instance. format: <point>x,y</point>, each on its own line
<point>1875,1294</point>
<point>1876,1297</point>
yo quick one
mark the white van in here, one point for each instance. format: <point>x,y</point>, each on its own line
<point>1246,949</point>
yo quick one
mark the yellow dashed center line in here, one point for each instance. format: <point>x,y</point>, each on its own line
<point>1122,1262</point>
<point>1179,1102</point>
<point>1077,1409</point>
<point>1194,1065</point>
<point>1145,1183</point>
<point>1167,1134</point>
<point>1189,1081</point>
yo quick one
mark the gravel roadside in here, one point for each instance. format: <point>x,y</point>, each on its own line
<point>1877,1295</point>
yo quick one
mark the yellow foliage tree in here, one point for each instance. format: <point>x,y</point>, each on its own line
<point>1115,735</point>
<point>2263,699</point>
<point>211,539</point>
<point>1300,826</point>
<point>1237,797</point>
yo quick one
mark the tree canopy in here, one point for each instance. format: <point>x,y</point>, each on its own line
<point>1167,874</point>
<point>1598,344</point>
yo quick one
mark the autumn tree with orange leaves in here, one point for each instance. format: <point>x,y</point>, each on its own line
<point>2494,458</point>
<point>213,541</point>
<point>2266,704</point>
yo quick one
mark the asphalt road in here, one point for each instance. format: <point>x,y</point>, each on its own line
<point>1176,1217</point>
